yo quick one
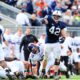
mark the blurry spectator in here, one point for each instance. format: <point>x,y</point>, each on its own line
<point>29,7</point>
<point>46,11</point>
<point>41,5</point>
<point>22,18</point>
<point>11,2</point>
<point>78,2</point>
<point>72,1</point>
<point>75,2</point>
<point>79,9</point>
<point>68,18</point>
<point>34,21</point>
<point>21,4</point>
<point>73,9</point>
<point>56,4</point>
<point>53,4</point>
<point>59,7</point>
<point>68,3</point>
<point>76,17</point>
<point>48,1</point>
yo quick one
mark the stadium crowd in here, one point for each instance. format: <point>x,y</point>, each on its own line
<point>70,8</point>
<point>53,54</point>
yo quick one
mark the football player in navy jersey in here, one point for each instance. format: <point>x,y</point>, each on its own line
<point>54,29</point>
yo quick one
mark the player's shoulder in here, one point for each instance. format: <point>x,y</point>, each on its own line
<point>50,17</point>
<point>62,24</point>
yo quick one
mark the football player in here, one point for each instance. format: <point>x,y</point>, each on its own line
<point>35,57</point>
<point>17,40</point>
<point>54,29</point>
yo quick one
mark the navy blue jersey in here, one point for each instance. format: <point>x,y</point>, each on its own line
<point>53,30</point>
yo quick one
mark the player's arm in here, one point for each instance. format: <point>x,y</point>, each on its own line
<point>63,36</point>
<point>45,20</point>
<point>5,42</point>
<point>64,33</point>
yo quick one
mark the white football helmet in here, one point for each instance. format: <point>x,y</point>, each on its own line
<point>57,14</point>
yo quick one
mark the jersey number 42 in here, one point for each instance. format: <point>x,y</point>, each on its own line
<point>55,31</point>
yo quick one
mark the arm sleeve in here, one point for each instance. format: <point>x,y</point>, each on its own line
<point>63,25</point>
<point>27,21</point>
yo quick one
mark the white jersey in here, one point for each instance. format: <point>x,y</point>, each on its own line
<point>76,57</point>
<point>75,43</point>
<point>41,48</point>
<point>41,40</point>
<point>65,46</point>
<point>7,49</point>
<point>8,38</point>
<point>1,53</point>
<point>17,40</point>
<point>36,57</point>
<point>22,19</point>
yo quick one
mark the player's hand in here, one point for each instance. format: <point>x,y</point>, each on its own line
<point>45,21</point>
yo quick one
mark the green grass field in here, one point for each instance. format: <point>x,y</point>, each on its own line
<point>75,77</point>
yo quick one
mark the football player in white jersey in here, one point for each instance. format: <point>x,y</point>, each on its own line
<point>76,57</point>
<point>2,60</point>
<point>35,57</point>
<point>8,37</point>
<point>17,40</point>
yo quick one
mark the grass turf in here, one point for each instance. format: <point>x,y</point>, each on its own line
<point>75,77</point>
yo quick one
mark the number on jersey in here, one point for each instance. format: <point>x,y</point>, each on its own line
<point>54,30</point>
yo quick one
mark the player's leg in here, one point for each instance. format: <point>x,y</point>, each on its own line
<point>48,56</point>
<point>28,68</point>
<point>57,53</point>
<point>34,69</point>
<point>48,66</point>
<point>47,50</point>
